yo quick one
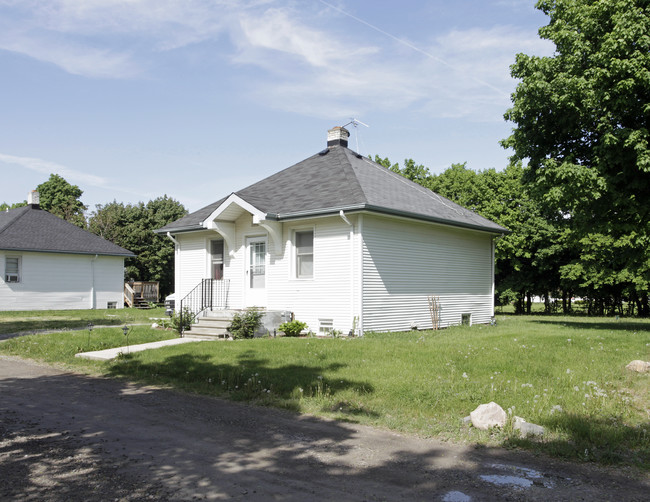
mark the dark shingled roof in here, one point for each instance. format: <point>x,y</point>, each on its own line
<point>339,178</point>
<point>28,228</point>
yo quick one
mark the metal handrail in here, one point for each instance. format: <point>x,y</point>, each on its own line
<point>208,294</point>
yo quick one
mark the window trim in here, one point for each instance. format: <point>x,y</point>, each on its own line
<point>295,258</point>
<point>19,267</point>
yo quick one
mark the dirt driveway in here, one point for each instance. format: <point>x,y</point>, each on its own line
<point>69,437</point>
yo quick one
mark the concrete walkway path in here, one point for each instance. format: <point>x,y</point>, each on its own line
<point>107,354</point>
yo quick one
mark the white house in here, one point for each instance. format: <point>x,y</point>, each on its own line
<point>47,263</point>
<point>344,244</point>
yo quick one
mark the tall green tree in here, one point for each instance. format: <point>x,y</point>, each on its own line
<point>4,206</point>
<point>582,121</point>
<point>132,226</point>
<point>59,197</point>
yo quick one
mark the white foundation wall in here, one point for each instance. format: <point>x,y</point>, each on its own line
<point>57,281</point>
<point>405,262</point>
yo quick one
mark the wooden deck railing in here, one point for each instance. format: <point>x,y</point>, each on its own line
<point>141,291</point>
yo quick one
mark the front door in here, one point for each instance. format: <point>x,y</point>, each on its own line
<point>256,272</point>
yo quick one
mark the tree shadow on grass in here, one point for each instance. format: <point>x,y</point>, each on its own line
<point>595,440</point>
<point>602,325</point>
<point>251,379</point>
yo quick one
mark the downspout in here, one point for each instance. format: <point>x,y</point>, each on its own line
<point>352,302</point>
<point>171,237</point>
<point>177,267</point>
<point>360,258</point>
<point>92,282</point>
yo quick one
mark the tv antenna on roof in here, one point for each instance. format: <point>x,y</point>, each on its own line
<point>356,123</point>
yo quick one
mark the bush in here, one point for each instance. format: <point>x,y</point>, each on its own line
<point>244,325</point>
<point>292,328</point>
<point>188,319</point>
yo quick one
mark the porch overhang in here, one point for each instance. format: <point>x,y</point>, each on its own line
<point>222,220</point>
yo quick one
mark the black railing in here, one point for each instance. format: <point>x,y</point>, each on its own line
<point>208,294</point>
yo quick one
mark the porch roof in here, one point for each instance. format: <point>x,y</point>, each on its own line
<point>336,179</point>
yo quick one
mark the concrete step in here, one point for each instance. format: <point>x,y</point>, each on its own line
<point>213,322</point>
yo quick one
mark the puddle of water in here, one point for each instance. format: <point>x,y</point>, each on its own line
<point>456,497</point>
<point>497,479</point>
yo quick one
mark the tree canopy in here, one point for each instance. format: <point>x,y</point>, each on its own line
<point>59,197</point>
<point>582,123</point>
<point>131,226</point>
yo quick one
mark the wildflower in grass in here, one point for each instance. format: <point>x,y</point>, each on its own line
<point>576,388</point>
<point>568,371</point>
<point>465,375</point>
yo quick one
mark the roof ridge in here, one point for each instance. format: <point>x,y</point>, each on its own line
<point>350,173</point>
<point>13,221</point>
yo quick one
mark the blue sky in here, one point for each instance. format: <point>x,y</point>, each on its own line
<point>133,99</point>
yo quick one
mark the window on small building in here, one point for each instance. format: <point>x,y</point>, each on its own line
<point>216,259</point>
<point>111,305</point>
<point>304,241</point>
<point>12,269</point>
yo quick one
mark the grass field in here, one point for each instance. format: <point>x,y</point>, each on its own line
<point>36,320</point>
<point>564,373</point>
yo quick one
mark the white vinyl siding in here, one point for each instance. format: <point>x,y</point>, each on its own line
<point>193,264</point>
<point>54,281</point>
<point>406,262</point>
<point>329,294</point>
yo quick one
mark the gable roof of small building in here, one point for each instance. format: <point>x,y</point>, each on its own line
<point>336,179</point>
<point>29,228</point>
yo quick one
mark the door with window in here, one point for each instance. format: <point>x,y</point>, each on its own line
<point>256,272</point>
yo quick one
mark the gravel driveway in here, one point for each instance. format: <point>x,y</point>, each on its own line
<point>69,437</point>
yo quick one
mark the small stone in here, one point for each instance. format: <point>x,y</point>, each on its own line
<point>467,420</point>
<point>639,366</point>
<point>155,325</point>
<point>488,415</point>
<point>527,429</point>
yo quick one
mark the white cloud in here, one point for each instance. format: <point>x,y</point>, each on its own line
<point>304,61</point>
<point>47,167</point>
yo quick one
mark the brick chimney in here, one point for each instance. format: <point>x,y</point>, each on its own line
<point>33,199</point>
<point>337,136</point>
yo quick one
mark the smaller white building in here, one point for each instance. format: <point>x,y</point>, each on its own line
<point>47,263</point>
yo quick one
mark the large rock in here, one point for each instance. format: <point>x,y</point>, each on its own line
<point>639,366</point>
<point>488,415</point>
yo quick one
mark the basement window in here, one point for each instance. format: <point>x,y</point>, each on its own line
<point>466,319</point>
<point>325,326</point>
<point>12,269</point>
<point>111,305</point>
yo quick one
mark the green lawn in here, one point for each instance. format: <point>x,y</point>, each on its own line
<point>565,373</point>
<point>35,320</point>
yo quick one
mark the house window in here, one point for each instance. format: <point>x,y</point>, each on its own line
<point>216,259</point>
<point>111,305</point>
<point>12,269</point>
<point>304,254</point>
<point>325,326</point>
